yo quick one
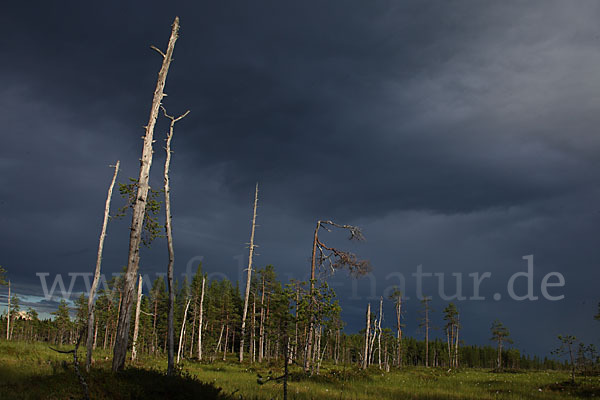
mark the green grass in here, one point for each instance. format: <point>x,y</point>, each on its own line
<point>33,371</point>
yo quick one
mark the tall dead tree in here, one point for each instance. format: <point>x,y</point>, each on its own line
<point>249,278</point>
<point>169,231</point>
<point>139,208</point>
<point>136,326</point>
<point>335,259</point>
<point>179,349</point>
<point>425,325</point>
<point>200,320</point>
<point>379,331</point>
<point>8,314</point>
<point>397,297</point>
<point>92,294</point>
<point>367,335</point>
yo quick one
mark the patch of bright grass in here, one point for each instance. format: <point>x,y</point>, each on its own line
<point>33,371</point>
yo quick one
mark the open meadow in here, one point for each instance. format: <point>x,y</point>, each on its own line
<point>33,371</point>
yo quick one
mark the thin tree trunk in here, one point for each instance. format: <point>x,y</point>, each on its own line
<point>399,325</point>
<point>253,329</point>
<point>8,315</point>
<point>249,278</point>
<point>139,209</point>
<point>95,335</point>
<point>379,329</point>
<point>226,339</point>
<point>154,333</point>
<point>312,297</point>
<point>372,347</point>
<point>368,329</point>
<point>261,338</point>
<point>194,327</point>
<point>187,306</point>
<point>295,352</point>
<point>169,232</point>
<point>92,294</point>
<point>136,326</point>
<point>219,342</point>
<point>456,361</point>
<point>200,321</point>
<point>108,321</point>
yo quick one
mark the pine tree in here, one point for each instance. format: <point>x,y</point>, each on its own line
<point>500,335</point>
<point>62,320</point>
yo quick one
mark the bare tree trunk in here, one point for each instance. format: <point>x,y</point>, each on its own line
<point>249,278</point>
<point>312,298</point>
<point>220,337</point>
<point>106,330</point>
<point>169,231</point>
<point>372,346</point>
<point>367,330</point>
<point>92,294</point>
<point>266,341</point>
<point>399,326</point>
<point>139,208</point>
<point>426,323</point>
<point>194,327</point>
<point>136,326</point>
<point>253,329</point>
<point>226,339</point>
<point>379,329</point>
<point>295,352</point>
<point>456,361</point>
<point>200,321</point>
<point>182,330</point>
<point>95,335</point>
<point>8,315</point>
<point>261,339</point>
<point>154,333</point>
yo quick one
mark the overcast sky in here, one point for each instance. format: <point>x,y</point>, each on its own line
<point>460,135</point>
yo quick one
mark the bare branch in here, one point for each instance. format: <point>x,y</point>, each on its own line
<point>159,51</point>
<point>82,382</point>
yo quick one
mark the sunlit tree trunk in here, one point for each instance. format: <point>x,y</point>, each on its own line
<point>8,314</point>
<point>139,208</point>
<point>169,232</point>
<point>261,331</point>
<point>92,294</point>
<point>249,278</point>
<point>179,350</point>
<point>200,320</point>
<point>379,330</point>
<point>136,326</point>
<point>367,330</point>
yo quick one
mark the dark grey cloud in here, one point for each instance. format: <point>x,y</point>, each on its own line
<point>461,136</point>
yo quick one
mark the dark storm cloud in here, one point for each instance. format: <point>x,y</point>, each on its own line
<point>460,135</point>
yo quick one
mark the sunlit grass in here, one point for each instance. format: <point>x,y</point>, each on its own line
<point>33,371</point>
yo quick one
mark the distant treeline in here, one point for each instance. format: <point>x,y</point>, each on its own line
<point>277,318</point>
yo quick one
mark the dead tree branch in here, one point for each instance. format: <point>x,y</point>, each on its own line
<point>84,386</point>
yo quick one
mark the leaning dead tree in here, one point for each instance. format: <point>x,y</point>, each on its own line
<point>182,334</point>
<point>139,208</point>
<point>169,231</point>
<point>249,278</point>
<point>91,303</point>
<point>333,259</point>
